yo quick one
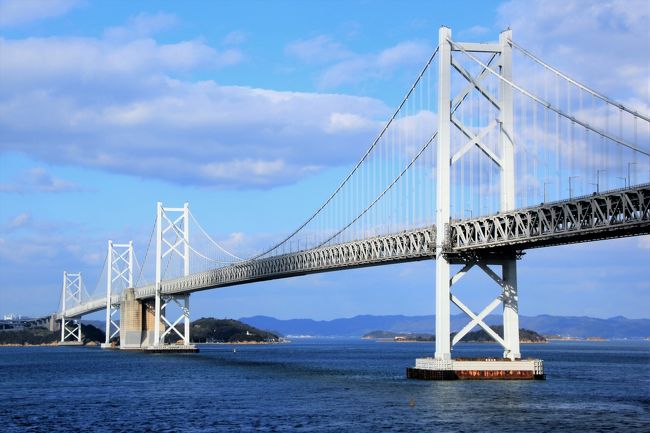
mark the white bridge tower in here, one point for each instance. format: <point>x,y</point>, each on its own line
<point>504,160</point>
<point>120,271</point>
<point>172,238</point>
<point>71,296</point>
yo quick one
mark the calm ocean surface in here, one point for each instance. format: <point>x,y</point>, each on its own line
<point>319,386</point>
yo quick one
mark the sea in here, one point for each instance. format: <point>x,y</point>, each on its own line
<point>319,385</point>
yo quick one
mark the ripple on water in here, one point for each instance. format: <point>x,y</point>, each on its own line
<point>310,387</point>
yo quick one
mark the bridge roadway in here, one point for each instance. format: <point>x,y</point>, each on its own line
<point>611,214</point>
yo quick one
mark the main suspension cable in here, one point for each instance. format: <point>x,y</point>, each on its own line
<point>548,105</point>
<point>144,261</point>
<point>576,83</point>
<point>212,240</point>
<point>365,156</point>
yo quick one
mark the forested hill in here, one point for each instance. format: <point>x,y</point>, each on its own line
<point>39,336</point>
<point>211,330</point>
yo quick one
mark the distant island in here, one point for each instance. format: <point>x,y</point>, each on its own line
<point>580,327</point>
<point>203,330</point>
<point>480,336</point>
<point>397,336</point>
<point>565,338</point>
<point>211,330</point>
<point>35,336</point>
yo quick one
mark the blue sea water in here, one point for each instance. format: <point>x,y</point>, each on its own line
<point>319,386</point>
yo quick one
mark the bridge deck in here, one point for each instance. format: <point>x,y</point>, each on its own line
<point>611,214</point>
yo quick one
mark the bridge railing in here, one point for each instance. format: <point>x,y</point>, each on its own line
<point>554,223</point>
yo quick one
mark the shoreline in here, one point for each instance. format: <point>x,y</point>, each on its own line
<point>27,345</point>
<point>95,344</point>
<point>379,340</point>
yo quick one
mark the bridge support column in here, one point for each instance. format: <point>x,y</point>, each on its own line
<point>120,270</point>
<point>70,331</point>
<point>443,193</point>
<point>172,232</point>
<point>511,367</point>
<point>131,330</point>
<point>510,310</point>
<point>71,293</point>
<point>52,324</point>
<point>508,298</point>
<point>506,134</point>
<point>443,312</point>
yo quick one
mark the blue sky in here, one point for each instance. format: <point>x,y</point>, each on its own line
<point>108,107</point>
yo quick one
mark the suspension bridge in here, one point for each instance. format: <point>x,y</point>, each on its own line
<point>491,152</point>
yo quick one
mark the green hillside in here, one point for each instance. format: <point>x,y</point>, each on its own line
<point>211,330</point>
<point>38,336</point>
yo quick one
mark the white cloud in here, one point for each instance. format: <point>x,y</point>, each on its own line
<point>194,132</point>
<point>603,44</point>
<point>357,68</point>
<point>258,172</point>
<point>142,25</point>
<point>114,106</point>
<point>18,12</point>
<point>475,31</point>
<point>320,49</point>
<point>21,220</point>
<point>408,52</point>
<point>236,37</point>
<point>38,180</point>
<point>348,121</point>
<point>29,62</point>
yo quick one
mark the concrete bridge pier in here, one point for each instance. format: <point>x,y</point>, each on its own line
<point>52,324</point>
<point>138,325</point>
<point>136,322</point>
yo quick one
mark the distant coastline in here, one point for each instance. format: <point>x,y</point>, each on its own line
<point>526,336</point>
<point>578,327</point>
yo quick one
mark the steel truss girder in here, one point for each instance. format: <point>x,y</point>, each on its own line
<point>608,215</point>
<point>88,307</point>
<point>621,212</point>
<point>409,245</point>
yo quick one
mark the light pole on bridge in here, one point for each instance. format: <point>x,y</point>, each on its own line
<point>570,186</point>
<point>597,184</point>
